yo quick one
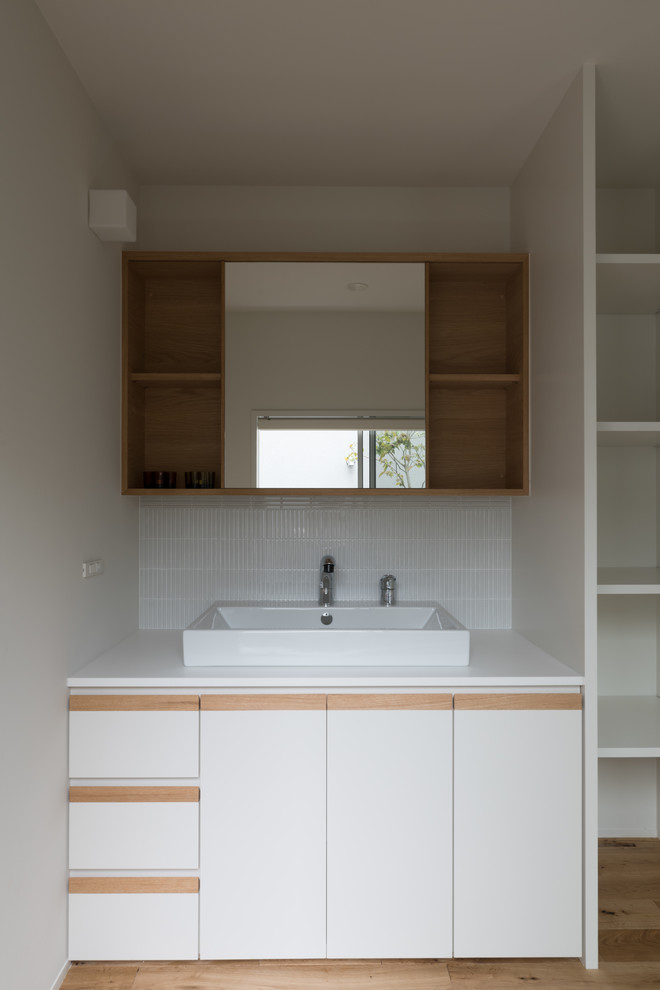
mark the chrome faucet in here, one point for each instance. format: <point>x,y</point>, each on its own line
<point>388,590</point>
<point>328,564</point>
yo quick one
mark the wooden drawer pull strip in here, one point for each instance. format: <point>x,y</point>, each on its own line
<point>410,702</point>
<point>134,703</point>
<point>262,702</point>
<point>134,885</point>
<point>518,702</point>
<point>102,794</point>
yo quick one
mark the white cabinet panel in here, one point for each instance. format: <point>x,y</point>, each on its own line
<point>133,744</point>
<point>389,834</point>
<point>262,835</point>
<point>134,836</point>
<point>517,833</point>
<point>133,926</point>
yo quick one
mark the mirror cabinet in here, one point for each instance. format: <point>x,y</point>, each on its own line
<point>449,365</point>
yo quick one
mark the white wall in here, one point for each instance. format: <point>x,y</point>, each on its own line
<point>554,576</point>
<point>59,501</point>
<point>256,218</point>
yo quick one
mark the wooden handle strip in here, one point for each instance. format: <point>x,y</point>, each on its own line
<point>104,795</point>
<point>134,703</point>
<point>401,702</point>
<point>518,702</point>
<point>134,885</point>
<point>262,702</point>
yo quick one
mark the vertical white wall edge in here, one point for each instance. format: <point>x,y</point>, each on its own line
<point>590,721</point>
<point>554,531</point>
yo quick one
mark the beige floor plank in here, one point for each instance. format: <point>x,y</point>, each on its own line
<point>630,843</point>
<point>630,945</point>
<point>617,913</point>
<point>512,974</point>
<point>550,974</point>
<point>317,975</point>
<point>629,975</point>
<point>101,976</point>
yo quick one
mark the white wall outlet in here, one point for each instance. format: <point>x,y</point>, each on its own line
<point>92,568</point>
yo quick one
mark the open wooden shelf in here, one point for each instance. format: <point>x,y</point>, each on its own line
<point>477,419</point>
<point>173,317</point>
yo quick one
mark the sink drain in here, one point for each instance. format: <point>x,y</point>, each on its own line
<point>326,618</point>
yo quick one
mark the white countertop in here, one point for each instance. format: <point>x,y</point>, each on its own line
<point>154,659</point>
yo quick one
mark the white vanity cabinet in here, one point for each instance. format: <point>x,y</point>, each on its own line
<point>389,826</point>
<point>517,825</point>
<point>385,824</point>
<point>263,827</point>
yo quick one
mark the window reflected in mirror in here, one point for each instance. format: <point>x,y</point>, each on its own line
<point>323,453</point>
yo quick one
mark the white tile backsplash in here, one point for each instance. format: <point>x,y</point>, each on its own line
<point>196,551</point>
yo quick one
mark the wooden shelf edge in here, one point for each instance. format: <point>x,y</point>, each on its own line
<point>473,381</point>
<point>327,492</point>
<point>313,256</point>
<point>175,378</point>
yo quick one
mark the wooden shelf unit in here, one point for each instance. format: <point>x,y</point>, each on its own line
<point>476,369</point>
<point>477,377</point>
<point>173,356</point>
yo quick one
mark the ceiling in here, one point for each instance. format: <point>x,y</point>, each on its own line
<point>360,92</point>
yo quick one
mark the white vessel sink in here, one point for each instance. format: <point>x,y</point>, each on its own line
<point>339,635</point>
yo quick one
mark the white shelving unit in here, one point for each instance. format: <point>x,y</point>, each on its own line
<point>629,434</point>
<point>629,581</point>
<point>628,437</point>
<point>629,726</point>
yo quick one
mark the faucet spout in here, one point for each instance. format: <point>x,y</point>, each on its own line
<point>326,584</point>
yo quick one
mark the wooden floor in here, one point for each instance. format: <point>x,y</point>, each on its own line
<point>629,952</point>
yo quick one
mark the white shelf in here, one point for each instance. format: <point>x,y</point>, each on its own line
<point>629,434</point>
<point>629,726</point>
<point>628,283</point>
<point>628,581</point>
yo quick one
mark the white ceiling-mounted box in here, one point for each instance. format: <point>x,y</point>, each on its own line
<point>112,215</point>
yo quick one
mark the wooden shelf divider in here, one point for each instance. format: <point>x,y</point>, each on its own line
<point>147,378</point>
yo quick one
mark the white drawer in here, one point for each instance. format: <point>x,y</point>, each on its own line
<point>133,918</point>
<point>134,736</point>
<point>134,828</point>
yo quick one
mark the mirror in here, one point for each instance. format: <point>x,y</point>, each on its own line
<point>324,375</point>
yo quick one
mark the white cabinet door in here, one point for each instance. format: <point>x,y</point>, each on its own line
<point>262,852</point>
<point>389,826</point>
<point>517,825</point>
